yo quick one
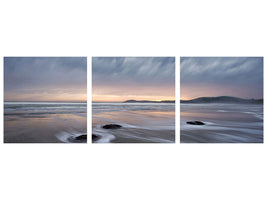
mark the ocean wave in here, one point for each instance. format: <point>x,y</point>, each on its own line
<point>222,111</point>
<point>114,107</point>
<point>255,115</point>
<point>37,108</point>
<point>33,114</point>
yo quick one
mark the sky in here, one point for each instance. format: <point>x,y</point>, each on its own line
<point>221,76</point>
<point>117,79</point>
<point>45,78</point>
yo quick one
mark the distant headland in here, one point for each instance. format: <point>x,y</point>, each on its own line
<point>146,101</point>
<point>223,99</point>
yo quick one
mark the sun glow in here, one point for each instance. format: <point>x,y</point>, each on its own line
<point>114,98</point>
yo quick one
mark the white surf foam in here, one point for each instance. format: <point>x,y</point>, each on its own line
<point>66,136</point>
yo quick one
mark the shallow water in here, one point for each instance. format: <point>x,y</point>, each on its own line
<point>43,122</point>
<point>141,122</point>
<point>224,123</point>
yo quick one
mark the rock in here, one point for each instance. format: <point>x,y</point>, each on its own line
<point>111,126</point>
<point>95,137</point>
<point>196,123</point>
<point>78,139</point>
<point>81,137</point>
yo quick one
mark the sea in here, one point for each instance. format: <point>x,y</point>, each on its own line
<point>44,122</point>
<point>224,123</point>
<point>141,122</point>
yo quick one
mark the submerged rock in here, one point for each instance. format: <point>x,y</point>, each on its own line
<point>111,126</point>
<point>196,123</point>
<point>81,137</point>
<point>95,137</point>
<point>78,139</point>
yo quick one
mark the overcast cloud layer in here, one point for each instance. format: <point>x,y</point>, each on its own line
<point>211,76</point>
<point>45,78</point>
<point>138,76</point>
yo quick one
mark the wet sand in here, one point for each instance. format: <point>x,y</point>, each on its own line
<point>45,128</point>
<point>138,126</point>
<point>224,123</point>
<point>219,136</point>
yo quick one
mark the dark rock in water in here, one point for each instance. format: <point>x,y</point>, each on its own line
<point>78,139</point>
<point>81,137</point>
<point>196,123</point>
<point>95,137</point>
<point>111,126</point>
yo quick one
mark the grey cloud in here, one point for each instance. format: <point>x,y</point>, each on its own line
<point>44,74</point>
<point>133,70</point>
<point>243,72</point>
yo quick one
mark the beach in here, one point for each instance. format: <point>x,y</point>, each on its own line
<point>44,122</point>
<point>224,123</point>
<point>141,122</point>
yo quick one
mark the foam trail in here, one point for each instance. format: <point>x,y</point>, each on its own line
<point>67,137</point>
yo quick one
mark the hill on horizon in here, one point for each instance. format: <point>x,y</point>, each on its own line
<point>223,99</point>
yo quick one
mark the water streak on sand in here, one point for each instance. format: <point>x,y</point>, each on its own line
<point>44,122</point>
<point>68,137</point>
<point>223,123</point>
<point>141,122</point>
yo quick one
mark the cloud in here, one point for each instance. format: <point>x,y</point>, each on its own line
<point>133,77</point>
<point>133,70</point>
<point>244,73</point>
<point>44,75</point>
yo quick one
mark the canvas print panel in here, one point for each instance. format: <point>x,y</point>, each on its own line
<point>221,100</point>
<point>45,100</point>
<point>133,100</point>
